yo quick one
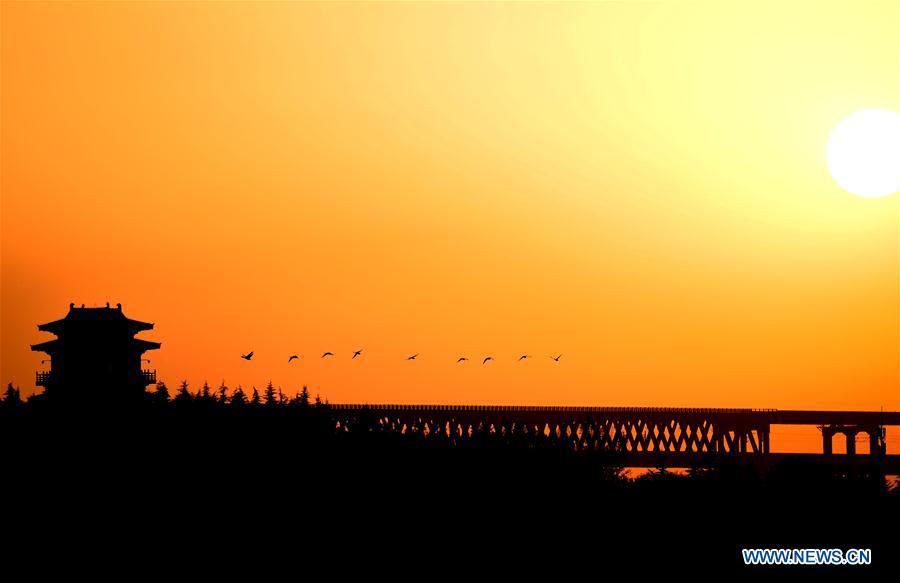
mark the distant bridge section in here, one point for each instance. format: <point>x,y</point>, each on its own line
<point>640,436</point>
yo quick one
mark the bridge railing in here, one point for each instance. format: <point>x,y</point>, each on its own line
<point>537,408</point>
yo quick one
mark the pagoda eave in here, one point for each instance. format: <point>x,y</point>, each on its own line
<point>146,344</point>
<point>45,346</point>
<point>51,326</point>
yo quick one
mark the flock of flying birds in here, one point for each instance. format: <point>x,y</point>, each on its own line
<point>486,360</point>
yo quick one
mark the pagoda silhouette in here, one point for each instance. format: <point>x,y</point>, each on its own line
<point>95,356</point>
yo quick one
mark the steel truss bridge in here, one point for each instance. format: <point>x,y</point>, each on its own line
<point>639,436</point>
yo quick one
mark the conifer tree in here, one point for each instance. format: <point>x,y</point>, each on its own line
<point>184,394</point>
<point>222,393</point>
<point>12,396</point>
<point>303,398</point>
<point>270,394</point>
<point>161,396</point>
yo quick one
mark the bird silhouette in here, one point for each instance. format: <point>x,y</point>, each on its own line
<point>357,353</point>
<point>292,357</point>
<point>413,357</point>
<point>523,357</point>
<point>247,356</point>
<point>487,358</point>
<point>327,354</point>
<point>462,358</point>
<point>556,358</point>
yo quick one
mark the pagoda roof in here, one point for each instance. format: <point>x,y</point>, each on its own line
<point>146,344</point>
<point>45,346</point>
<point>138,343</point>
<point>94,315</point>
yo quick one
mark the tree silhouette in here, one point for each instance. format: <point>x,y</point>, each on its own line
<point>184,395</point>
<point>222,393</point>
<point>205,393</point>
<point>303,397</point>
<point>12,399</point>
<point>161,396</point>
<point>12,396</point>
<point>270,399</point>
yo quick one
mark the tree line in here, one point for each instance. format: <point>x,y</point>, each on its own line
<point>271,396</point>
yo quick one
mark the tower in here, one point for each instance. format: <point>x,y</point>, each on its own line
<point>95,355</point>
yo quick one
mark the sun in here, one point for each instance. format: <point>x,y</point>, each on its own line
<point>864,153</point>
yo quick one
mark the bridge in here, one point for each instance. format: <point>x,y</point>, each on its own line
<point>639,436</point>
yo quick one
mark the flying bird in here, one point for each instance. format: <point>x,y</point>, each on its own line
<point>327,354</point>
<point>556,358</point>
<point>247,356</point>
<point>487,358</point>
<point>413,357</point>
<point>293,356</point>
<point>523,357</point>
<point>462,358</point>
<point>357,353</point>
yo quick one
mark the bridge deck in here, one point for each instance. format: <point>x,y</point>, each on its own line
<point>763,416</point>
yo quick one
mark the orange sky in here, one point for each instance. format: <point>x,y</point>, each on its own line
<point>638,186</point>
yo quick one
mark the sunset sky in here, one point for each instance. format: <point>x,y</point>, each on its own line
<point>639,186</point>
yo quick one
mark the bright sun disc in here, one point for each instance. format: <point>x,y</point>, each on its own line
<point>864,153</point>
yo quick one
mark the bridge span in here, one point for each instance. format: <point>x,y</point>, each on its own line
<point>639,436</point>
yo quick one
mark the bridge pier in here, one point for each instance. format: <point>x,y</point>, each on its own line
<point>876,435</point>
<point>850,434</point>
<point>827,436</point>
<point>877,443</point>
